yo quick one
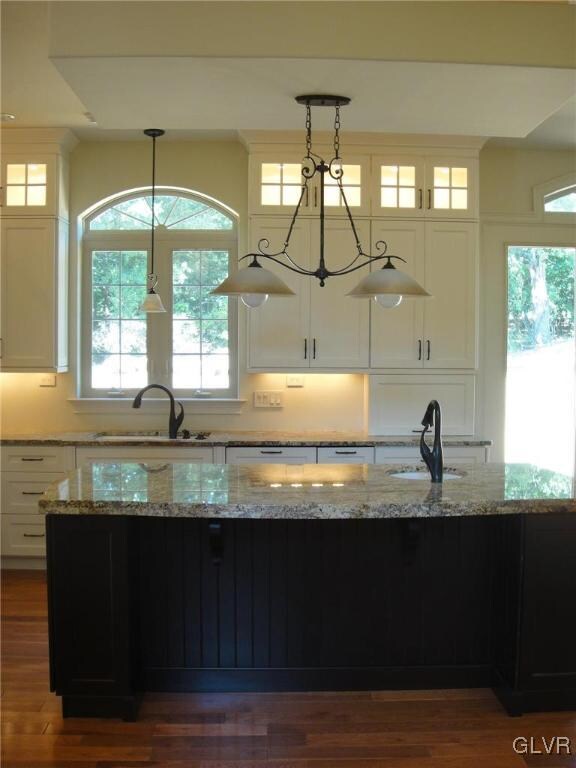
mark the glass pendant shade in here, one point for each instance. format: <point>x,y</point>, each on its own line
<point>387,281</point>
<point>152,303</point>
<point>253,280</point>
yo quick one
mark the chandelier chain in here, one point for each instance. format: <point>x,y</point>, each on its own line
<point>337,132</point>
<point>308,131</point>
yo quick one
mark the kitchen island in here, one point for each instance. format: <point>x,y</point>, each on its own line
<point>187,577</point>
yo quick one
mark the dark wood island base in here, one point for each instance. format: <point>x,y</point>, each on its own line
<point>186,604</point>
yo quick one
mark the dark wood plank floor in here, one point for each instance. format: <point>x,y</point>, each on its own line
<point>406,729</point>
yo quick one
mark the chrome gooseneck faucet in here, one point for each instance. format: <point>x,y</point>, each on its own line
<point>433,458</point>
<point>175,422</point>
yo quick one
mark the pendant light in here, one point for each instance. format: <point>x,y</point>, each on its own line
<point>254,283</point>
<point>152,302</point>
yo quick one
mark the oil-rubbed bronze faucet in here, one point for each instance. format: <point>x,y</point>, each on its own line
<point>433,458</point>
<point>174,422</point>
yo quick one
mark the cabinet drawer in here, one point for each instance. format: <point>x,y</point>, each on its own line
<point>31,458</point>
<point>261,454</point>
<point>185,455</point>
<point>21,491</point>
<point>363,454</point>
<point>23,535</point>
<point>474,454</point>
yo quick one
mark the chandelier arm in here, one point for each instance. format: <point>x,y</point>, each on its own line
<point>273,257</point>
<point>346,270</point>
<point>350,219</point>
<point>295,214</point>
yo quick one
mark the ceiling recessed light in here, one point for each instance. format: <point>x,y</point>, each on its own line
<point>5,117</point>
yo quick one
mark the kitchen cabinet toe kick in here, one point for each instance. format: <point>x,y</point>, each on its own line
<point>183,604</point>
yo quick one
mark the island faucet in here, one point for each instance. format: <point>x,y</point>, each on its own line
<point>433,458</point>
<point>174,421</point>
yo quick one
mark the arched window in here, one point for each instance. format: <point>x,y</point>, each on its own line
<point>561,200</point>
<point>191,348</point>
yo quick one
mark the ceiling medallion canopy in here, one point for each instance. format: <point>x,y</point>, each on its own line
<point>255,283</point>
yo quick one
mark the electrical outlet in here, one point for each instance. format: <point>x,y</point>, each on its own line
<point>272,398</point>
<point>295,380</point>
<point>48,380</point>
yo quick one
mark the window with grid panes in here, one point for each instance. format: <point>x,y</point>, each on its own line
<point>192,348</point>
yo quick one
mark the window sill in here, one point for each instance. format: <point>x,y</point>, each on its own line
<point>123,405</point>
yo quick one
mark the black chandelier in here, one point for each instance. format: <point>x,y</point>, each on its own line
<point>255,283</point>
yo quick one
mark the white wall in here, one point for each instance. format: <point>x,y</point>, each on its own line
<point>99,169</point>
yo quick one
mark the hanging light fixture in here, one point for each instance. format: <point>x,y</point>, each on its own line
<point>255,283</point>
<point>152,301</point>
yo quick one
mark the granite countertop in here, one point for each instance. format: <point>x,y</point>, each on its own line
<point>231,438</point>
<point>310,491</point>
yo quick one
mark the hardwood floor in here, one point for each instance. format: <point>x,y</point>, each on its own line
<point>389,729</point>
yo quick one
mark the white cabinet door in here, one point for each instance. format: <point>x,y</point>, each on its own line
<point>260,454</point>
<point>398,186</point>
<point>29,184</point>
<point>37,458</point>
<point>473,454</point>
<point>33,292</point>
<point>396,334</point>
<point>397,402</point>
<point>21,491</point>
<point>339,324</point>
<point>451,188</point>
<point>278,331</point>
<point>450,316</point>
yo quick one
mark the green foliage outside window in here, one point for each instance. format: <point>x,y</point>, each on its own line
<point>540,296</point>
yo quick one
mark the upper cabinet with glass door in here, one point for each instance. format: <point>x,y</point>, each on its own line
<point>276,186</point>
<point>32,185</point>
<point>408,186</point>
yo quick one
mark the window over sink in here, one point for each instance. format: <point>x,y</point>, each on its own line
<point>192,348</point>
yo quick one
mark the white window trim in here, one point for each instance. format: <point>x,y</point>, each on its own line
<point>95,400</point>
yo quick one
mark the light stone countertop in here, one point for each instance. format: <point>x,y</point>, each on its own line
<point>231,438</point>
<point>309,491</point>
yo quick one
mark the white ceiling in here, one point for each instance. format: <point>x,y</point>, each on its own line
<point>398,97</point>
<point>214,97</point>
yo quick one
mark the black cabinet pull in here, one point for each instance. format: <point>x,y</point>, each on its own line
<point>270,451</point>
<point>33,459</point>
<point>419,349</point>
<point>33,535</point>
<point>215,542</point>
<point>313,349</point>
<point>32,493</point>
<point>428,347</point>
<point>346,453</point>
<point>429,199</point>
<point>305,349</point>
<point>420,199</point>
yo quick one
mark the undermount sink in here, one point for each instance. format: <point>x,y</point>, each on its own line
<point>151,435</point>
<point>411,474</point>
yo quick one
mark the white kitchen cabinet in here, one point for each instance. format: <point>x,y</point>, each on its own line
<point>27,471</point>
<point>410,455</point>
<point>397,402</point>
<point>276,185</point>
<point>344,454</point>
<point>37,458</point>
<point>319,328</point>
<point>440,332</point>
<point>194,454</point>
<point>420,185</point>
<point>261,454</point>
<point>34,281</point>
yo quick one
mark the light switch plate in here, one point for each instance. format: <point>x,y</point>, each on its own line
<point>48,380</point>
<point>270,398</point>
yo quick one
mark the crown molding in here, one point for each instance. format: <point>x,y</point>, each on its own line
<point>59,140</point>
